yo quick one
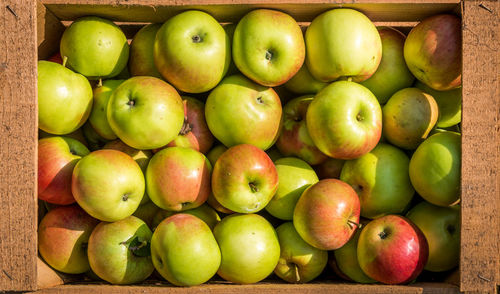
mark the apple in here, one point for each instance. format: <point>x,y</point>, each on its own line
<point>381,180</point>
<point>94,140</point>
<point>267,56</point>
<point>62,238</point>
<point>294,175</point>
<point>342,43</point>
<point>327,214</point>
<point>294,139</point>
<point>184,250</point>
<point>249,248</point>
<point>108,185</point>
<point>64,99</point>
<point>433,51</point>
<point>57,157</point>
<point>408,117</point>
<point>329,169</point>
<point>56,58</point>
<point>229,28</point>
<point>98,116</point>
<point>203,212</point>
<point>141,61</point>
<point>77,135</point>
<point>344,120</point>
<point>449,104</point>
<point>145,112</point>
<point>392,74</point>
<point>147,212</point>
<point>192,51</point>
<point>299,262</point>
<point>95,47</point>
<point>239,111</point>
<point>441,228</point>
<point>244,179</point>
<point>178,178</point>
<point>215,153</point>
<point>392,250</point>
<point>435,168</point>
<point>119,252</point>
<point>304,83</point>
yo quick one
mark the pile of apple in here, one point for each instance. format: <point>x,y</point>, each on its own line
<point>356,144</point>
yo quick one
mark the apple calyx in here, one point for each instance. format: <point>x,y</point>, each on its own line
<point>125,196</point>
<point>138,247</point>
<point>186,128</point>
<point>384,234</point>
<point>196,39</point>
<point>131,102</point>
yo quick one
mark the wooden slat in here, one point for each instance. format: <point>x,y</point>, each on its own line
<point>479,258</point>
<point>49,31</point>
<point>18,125</point>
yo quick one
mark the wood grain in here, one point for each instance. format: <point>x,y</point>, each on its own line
<point>479,257</point>
<point>49,31</point>
<point>18,133</point>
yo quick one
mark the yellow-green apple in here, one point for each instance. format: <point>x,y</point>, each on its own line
<point>57,157</point>
<point>203,212</point>
<point>141,61</point>
<point>244,179</point>
<point>77,135</point>
<point>185,251</point>
<point>249,247</point>
<point>212,156</point>
<point>229,28</point>
<point>329,169</point>
<point>64,98</point>
<point>449,104</point>
<point>178,178</point>
<point>381,180</point>
<point>145,112</point>
<point>392,250</point>
<point>62,238</point>
<point>392,74</point>
<point>435,168</point>
<point>239,111</point>
<point>267,56</point>
<point>408,117</point>
<point>147,212</point>
<point>304,83</point>
<point>98,116</point>
<point>433,51</point>
<point>95,47</point>
<point>342,43</point>
<point>294,139</point>
<point>192,51</point>
<point>327,214</point>
<point>108,184</point>
<point>441,228</point>
<point>299,262</point>
<point>344,120</point>
<point>294,176</point>
<point>119,252</point>
<point>94,140</point>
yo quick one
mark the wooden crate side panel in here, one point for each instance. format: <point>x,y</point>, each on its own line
<point>479,258</point>
<point>49,31</point>
<point>18,133</point>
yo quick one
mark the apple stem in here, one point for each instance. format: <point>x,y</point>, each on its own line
<point>297,275</point>
<point>353,224</point>
<point>65,59</point>
<point>253,187</point>
<point>99,83</point>
<point>349,79</point>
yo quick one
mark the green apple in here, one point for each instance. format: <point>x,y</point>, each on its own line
<point>342,43</point>
<point>294,175</point>
<point>145,112</point>
<point>215,153</point>
<point>94,140</point>
<point>141,61</point>
<point>249,247</point>
<point>147,212</point>
<point>98,117</point>
<point>64,98</point>
<point>203,212</point>
<point>95,47</point>
<point>192,51</point>
<point>449,104</point>
<point>304,83</point>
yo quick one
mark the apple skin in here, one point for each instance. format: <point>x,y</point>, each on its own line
<point>327,214</point>
<point>249,247</point>
<point>115,260</point>
<point>329,169</point>
<point>64,99</point>
<point>94,140</point>
<point>178,178</point>
<point>145,112</point>
<point>304,83</point>
<point>294,139</point>
<point>435,169</point>
<point>449,104</point>
<point>203,212</point>
<point>239,111</point>
<point>141,60</point>
<point>108,185</point>
<point>244,179</point>
<point>268,57</point>
<point>299,262</point>
<point>408,117</point>
<point>57,157</point>
<point>77,135</point>
<point>62,238</point>
<point>294,175</point>
<point>441,228</point>
<point>381,181</point>
<point>98,116</point>
<point>392,74</point>
<point>392,250</point>
<point>95,47</point>
<point>212,156</point>
<point>433,52</point>
<point>342,43</point>
<point>192,51</point>
<point>147,212</point>
<point>344,120</point>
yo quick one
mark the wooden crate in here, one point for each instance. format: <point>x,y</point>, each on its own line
<point>29,26</point>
